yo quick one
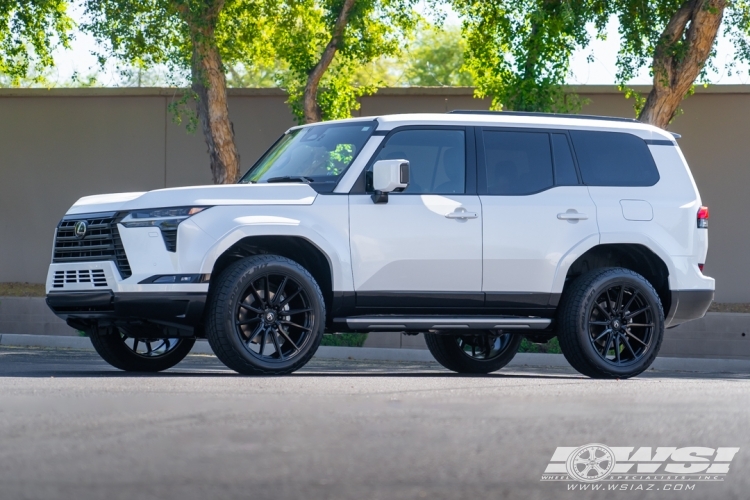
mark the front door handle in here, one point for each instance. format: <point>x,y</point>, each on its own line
<point>572,216</point>
<point>461,215</point>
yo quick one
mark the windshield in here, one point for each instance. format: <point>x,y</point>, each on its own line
<point>321,153</point>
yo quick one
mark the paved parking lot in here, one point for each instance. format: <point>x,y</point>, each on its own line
<point>72,427</point>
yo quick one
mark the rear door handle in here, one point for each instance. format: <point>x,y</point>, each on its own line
<point>572,216</point>
<point>461,215</point>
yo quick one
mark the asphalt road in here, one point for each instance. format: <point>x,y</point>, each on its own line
<point>71,427</point>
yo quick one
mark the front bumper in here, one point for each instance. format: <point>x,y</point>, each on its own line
<point>688,305</point>
<point>181,310</point>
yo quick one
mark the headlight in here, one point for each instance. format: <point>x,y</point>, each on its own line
<point>166,219</point>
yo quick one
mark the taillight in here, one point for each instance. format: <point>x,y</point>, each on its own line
<point>700,266</point>
<point>703,217</point>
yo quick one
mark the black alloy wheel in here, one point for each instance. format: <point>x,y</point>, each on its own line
<point>476,352</point>
<point>621,324</point>
<point>610,323</point>
<point>130,349</point>
<point>274,317</point>
<point>265,316</point>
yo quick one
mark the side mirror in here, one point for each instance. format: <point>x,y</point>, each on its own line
<point>389,176</point>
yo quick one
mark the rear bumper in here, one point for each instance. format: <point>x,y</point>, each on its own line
<point>688,305</point>
<point>182,310</point>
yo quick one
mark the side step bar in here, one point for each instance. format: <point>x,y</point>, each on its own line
<point>444,323</point>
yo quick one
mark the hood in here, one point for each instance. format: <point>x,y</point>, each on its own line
<point>231,194</point>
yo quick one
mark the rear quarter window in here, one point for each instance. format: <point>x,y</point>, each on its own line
<point>614,159</point>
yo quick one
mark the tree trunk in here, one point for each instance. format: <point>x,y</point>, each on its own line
<point>310,105</point>
<point>210,85</point>
<point>675,69</point>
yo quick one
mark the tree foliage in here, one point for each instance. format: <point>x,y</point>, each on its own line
<point>29,32</point>
<point>518,51</point>
<point>193,39</point>
<point>436,58</point>
<point>314,43</point>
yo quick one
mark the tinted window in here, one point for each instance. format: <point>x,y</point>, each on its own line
<point>437,159</point>
<point>517,163</point>
<point>320,153</point>
<point>565,169</point>
<point>614,159</point>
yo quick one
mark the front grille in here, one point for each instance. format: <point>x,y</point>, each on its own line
<point>75,276</point>
<point>101,241</point>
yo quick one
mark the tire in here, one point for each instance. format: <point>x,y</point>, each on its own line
<point>114,346</point>
<point>451,350</point>
<point>610,323</point>
<point>266,316</point>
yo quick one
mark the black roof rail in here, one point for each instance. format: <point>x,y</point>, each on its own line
<point>548,115</point>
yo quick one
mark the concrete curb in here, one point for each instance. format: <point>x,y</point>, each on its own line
<point>698,365</point>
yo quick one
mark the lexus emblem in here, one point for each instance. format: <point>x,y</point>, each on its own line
<point>80,228</point>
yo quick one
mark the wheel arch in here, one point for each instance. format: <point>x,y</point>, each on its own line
<point>293,247</point>
<point>633,256</point>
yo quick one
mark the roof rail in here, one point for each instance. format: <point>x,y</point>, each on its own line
<point>549,115</point>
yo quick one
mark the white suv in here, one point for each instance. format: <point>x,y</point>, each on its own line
<point>476,228</point>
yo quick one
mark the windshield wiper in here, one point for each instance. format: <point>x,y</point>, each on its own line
<point>292,178</point>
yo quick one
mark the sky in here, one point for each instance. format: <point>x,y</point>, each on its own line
<point>600,71</point>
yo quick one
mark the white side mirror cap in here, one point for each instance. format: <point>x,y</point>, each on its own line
<point>389,176</point>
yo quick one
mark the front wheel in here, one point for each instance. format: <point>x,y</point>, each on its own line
<point>266,316</point>
<point>481,352</point>
<point>127,350</point>
<point>610,323</point>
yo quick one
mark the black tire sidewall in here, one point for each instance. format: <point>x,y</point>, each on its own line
<point>111,347</point>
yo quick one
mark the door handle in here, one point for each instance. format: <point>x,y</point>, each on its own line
<point>572,216</point>
<point>461,215</point>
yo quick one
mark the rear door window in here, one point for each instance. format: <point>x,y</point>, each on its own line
<point>614,159</point>
<point>517,163</point>
<point>565,169</point>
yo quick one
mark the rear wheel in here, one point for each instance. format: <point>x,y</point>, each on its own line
<point>481,352</point>
<point>266,316</point>
<point>610,323</point>
<point>131,351</point>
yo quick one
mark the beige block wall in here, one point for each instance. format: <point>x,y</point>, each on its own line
<point>59,145</point>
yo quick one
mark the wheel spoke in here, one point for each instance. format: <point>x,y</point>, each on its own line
<point>256,294</point>
<point>617,349</point>
<point>292,312</point>
<point>247,321</point>
<point>148,347</point>
<point>609,302</point>
<point>250,308</point>
<point>605,332</point>
<point>254,334</point>
<point>639,311</point>
<point>135,345</point>
<point>279,291</point>
<point>635,338</point>
<point>288,299</point>
<point>605,352</point>
<point>296,325</point>
<point>645,325</point>
<point>630,301</point>
<point>599,323</point>
<point>288,338</point>
<point>277,344</point>
<point>266,291</point>
<point>609,316</point>
<point>630,348</point>
<point>263,341</point>
<point>618,305</point>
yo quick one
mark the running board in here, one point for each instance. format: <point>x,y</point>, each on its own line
<point>444,323</point>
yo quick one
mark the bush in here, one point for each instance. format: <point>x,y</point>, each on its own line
<point>345,339</point>
<point>551,347</point>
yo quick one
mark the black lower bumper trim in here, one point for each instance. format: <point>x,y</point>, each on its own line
<point>688,305</point>
<point>182,309</point>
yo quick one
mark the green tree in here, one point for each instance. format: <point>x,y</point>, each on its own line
<point>518,51</point>
<point>324,42</point>
<point>29,32</point>
<point>436,58</point>
<point>677,39</point>
<point>192,39</point>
